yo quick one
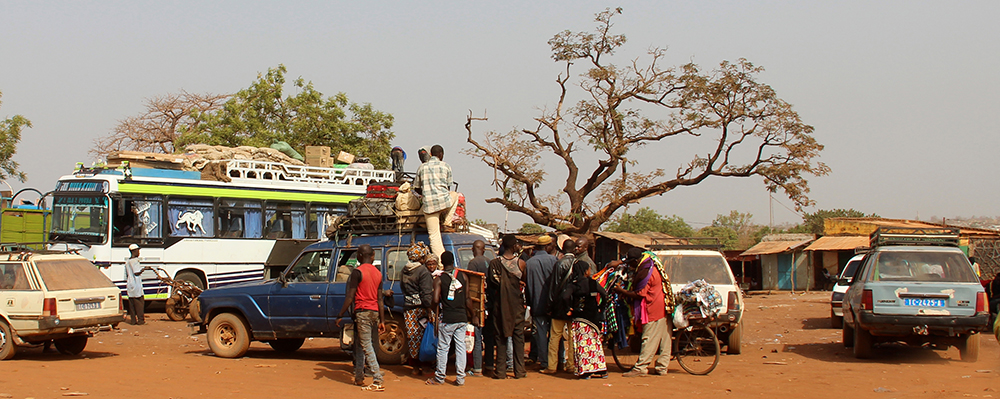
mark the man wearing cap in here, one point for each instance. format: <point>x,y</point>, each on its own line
<point>539,270</point>
<point>133,286</point>
<point>651,305</point>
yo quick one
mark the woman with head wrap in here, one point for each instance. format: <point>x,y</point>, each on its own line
<point>418,286</point>
<point>586,296</point>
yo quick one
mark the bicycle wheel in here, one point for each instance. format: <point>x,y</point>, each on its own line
<point>697,350</point>
<point>625,358</point>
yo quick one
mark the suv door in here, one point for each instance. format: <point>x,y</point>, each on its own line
<point>298,308</point>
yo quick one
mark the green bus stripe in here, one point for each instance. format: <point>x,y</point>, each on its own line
<point>134,188</point>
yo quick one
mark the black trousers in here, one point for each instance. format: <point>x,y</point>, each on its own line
<point>501,358</point>
<point>490,344</point>
<point>136,311</point>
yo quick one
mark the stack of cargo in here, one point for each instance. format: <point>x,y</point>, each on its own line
<point>319,156</point>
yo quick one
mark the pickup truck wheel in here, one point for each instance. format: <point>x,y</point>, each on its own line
<point>863,343</point>
<point>7,347</point>
<point>969,349</point>
<point>733,344</point>
<point>71,345</point>
<point>391,343</point>
<point>177,307</point>
<point>848,336</point>
<point>286,345</point>
<point>836,321</point>
<point>228,336</point>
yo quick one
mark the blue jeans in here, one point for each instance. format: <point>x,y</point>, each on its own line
<point>448,333</point>
<point>477,351</point>
<point>365,321</point>
<point>541,345</point>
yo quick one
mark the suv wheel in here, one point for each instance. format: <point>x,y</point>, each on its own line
<point>863,343</point>
<point>71,345</point>
<point>969,348</point>
<point>733,344</point>
<point>228,336</point>
<point>7,347</point>
<point>848,336</point>
<point>391,343</point>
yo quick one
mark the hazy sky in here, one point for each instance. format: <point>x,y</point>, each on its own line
<point>900,93</point>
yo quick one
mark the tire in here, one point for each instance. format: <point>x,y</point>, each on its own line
<point>191,278</point>
<point>71,345</point>
<point>863,343</point>
<point>848,336</point>
<point>7,346</point>
<point>836,321</point>
<point>697,350</point>
<point>735,341</point>
<point>228,336</point>
<point>177,307</point>
<point>969,349</point>
<point>626,358</point>
<point>391,343</point>
<point>287,345</point>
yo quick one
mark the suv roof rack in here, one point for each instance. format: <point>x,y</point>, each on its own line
<point>942,237</point>
<point>708,243</point>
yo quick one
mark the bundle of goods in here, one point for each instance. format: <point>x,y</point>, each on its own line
<point>700,299</point>
<point>371,207</point>
<point>387,190</point>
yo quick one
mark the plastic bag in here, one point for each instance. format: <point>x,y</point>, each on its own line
<point>428,345</point>
<point>679,320</point>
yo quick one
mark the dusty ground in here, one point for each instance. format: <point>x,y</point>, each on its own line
<point>160,360</point>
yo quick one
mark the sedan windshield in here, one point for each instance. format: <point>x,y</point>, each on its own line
<point>683,269</point>
<point>80,218</point>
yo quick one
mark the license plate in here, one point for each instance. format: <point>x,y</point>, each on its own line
<point>88,306</point>
<point>924,303</point>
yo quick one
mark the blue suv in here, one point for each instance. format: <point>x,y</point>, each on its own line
<point>304,300</point>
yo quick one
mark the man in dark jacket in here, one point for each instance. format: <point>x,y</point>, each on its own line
<point>559,309</point>
<point>506,306</point>
<point>539,271</point>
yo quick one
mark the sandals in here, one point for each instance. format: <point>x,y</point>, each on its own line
<point>431,381</point>
<point>374,388</point>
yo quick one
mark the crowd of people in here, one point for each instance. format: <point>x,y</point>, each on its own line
<point>554,289</point>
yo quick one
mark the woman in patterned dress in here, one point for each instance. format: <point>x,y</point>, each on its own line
<point>418,286</point>
<point>588,317</point>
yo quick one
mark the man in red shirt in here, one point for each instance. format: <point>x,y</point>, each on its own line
<point>650,312</point>
<point>363,288</point>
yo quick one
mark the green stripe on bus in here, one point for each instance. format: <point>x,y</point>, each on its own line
<point>132,188</point>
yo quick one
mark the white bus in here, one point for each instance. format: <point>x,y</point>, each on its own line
<point>211,233</point>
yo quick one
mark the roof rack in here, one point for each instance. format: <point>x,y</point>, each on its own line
<point>942,237</point>
<point>19,250</point>
<point>676,243</point>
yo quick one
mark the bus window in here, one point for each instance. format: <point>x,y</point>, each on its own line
<point>191,217</point>
<point>285,220</point>
<point>319,217</point>
<point>239,219</point>
<point>80,217</point>
<point>137,218</point>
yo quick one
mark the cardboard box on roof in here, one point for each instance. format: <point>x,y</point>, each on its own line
<point>345,157</point>
<point>317,151</point>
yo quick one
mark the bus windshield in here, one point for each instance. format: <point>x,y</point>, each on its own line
<point>80,218</point>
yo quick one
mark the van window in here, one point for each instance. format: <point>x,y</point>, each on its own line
<point>71,274</point>
<point>12,277</point>
<point>465,255</point>
<point>349,260</point>
<point>395,262</point>
<point>311,267</point>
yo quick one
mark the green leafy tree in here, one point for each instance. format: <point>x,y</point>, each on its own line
<point>741,224</point>
<point>531,228</point>
<point>728,237</point>
<point>743,128</point>
<point>261,115</point>
<point>646,219</point>
<point>479,222</point>
<point>812,223</point>
<point>10,136</point>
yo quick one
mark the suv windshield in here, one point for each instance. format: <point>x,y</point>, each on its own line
<point>922,266</point>
<point>683,269</point>
<point>83,218</point>
<point>71,274</point>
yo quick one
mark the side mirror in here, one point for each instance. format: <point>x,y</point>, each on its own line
<point>844,281</point>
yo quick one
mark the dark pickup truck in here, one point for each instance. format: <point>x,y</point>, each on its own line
<point>304,300</point>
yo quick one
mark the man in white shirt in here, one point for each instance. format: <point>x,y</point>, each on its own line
<point>133,286</point>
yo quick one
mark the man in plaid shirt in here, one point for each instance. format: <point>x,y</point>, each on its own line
<point>434,182</point>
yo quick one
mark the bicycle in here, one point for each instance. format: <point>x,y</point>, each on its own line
<point>696,348</point>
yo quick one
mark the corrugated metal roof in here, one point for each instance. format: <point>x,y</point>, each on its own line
<point>635,240</point>
<point>835,243</point>
<point>773,247</point>
<point>970,231</point>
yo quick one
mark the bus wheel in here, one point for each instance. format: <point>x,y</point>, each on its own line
<point>177,307</point>
<point>191,278</point>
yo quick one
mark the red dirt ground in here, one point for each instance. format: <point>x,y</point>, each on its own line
<point>161,360</point>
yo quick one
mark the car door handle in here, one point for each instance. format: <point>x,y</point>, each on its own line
<point>314,297</point>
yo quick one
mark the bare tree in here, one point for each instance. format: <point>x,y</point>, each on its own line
<point>155,130</point>
<point>749,131</point>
